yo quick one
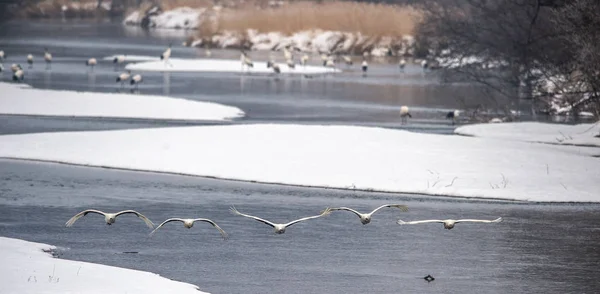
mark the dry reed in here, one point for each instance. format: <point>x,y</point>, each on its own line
<point>374,20</point>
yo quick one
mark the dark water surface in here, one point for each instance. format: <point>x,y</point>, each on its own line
<point>539,248</point>
<point>347,98</point>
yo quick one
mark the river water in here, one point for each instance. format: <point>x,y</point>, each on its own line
<point>539,248</point>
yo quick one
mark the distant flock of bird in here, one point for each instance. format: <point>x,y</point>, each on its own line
<point>279,228</point>
<point>19,73</point>
<point>328,59</point>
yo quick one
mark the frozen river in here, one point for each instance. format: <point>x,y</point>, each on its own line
<point>539,248</point>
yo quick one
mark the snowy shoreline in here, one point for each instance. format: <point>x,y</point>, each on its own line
<point>20,99</point>
<point>223,65</point>
<point>320,156</point>
<point>307,41</point>
<point>29,267</point>
<point>352,189</point>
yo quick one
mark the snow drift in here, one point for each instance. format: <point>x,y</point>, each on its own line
<point>24,100</point>
<point>333,156</point>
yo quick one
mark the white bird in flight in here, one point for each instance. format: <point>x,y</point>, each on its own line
<point>449,223</point>
<point>279,228</point>
<point>365,218</point>
<point>189,223</point>
<point>110,218</point>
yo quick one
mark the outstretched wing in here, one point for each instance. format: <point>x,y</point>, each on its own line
<point>346,209</point>
<point>72,220</point>
<point>401,222</point>
<point>148,222</point>
<point>325,212</point>
<point>479,220</point>
<point>264,221</point>
<point>225,236</point>
<point>400,206</point>
<point>163,223</point>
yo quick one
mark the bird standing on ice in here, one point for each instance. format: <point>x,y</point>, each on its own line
<point>136,80</point>
<point>287,54</point>
<point>15,67</point>
<point>279,228</point>
<point>365,67</point>
<point>402,64</point>
<point>365,218</point>
<point>246,61</point>
<point>291,64</point>
<point>449,223</point>
<point>453,115</point>
<point>424,64</point>
<point>123,77</point>
<point>118,60</point>
<point>19,75</point>
<point>2,55</point>
<point>404,114</point>
<point>30,60</point>
<point>189,223</point>
<point>109,218</point>
<point>347,60</point>
<point>274,66</point>
<point>165,55</point>
<point>324,58</point>
<point>91,63</point>
<point>304,60</point>
<point>330,64</point>
<point>47,58</point>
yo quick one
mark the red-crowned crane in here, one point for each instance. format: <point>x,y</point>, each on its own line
<point>404,114</point>
<point>123,78</point>
<point>30,60</point>
<point>91,63</point>
<point>47,58</point>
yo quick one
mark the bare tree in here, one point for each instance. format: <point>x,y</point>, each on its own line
<point>497,43</point>
<point>579,22</point>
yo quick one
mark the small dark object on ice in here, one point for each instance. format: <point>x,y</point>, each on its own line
<point>429,278</point>
<point>130,252</point>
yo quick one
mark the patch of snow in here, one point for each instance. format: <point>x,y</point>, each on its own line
<point>221,65</point>
<point>133,18</point>
<point>327,41</point>
<point>333,156</point>
<point>23,100</point>
<point>266,41</point>
<point>178,18</point>
<point>133,58</point>
<point>228,40</point>
<point>582,134</point>
<point>29,267</point>
<point>107,5</point>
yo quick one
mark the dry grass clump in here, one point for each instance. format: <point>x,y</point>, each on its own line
<point>366,18</point>
<point>172,4</point>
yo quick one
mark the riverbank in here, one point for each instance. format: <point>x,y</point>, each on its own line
<point>335,27</point>
<point>29,267</point>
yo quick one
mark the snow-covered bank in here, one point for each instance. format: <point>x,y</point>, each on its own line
<point>66,9</point>
<point>582,134</point>
<point>314,41</point>
<point>29,267</point>
<point>333,156</point>
<point>178,18</point>
<point>133,58</point>
<point>23,100</point>
<point>222,65</point>
<point>306,40</point>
